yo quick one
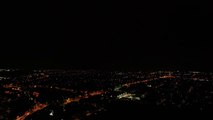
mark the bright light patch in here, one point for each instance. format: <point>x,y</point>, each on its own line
<point>128,96</point>
<point>51,113</point>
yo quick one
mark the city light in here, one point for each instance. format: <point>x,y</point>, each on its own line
<point>85,94</point>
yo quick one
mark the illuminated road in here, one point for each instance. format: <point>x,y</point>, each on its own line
<point>145,81</point>
<point>40,106</point>
<point>35,108</point>
<point>95,93</point>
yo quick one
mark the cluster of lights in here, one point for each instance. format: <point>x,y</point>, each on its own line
<point>128,96</point>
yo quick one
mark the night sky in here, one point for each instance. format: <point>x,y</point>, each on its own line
<point>107,35</point>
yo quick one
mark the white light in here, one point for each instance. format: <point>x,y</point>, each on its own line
<point>51,113</point>
<point>137,98</point>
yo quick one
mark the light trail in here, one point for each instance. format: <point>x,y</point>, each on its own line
<point>35,108</point>
<point>147,80</point>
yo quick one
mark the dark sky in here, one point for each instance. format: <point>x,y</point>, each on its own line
<point>107,35</point>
